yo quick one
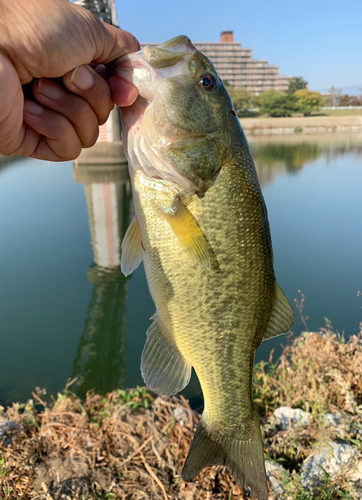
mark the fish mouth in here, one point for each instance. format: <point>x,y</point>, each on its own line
<point>146,69</point>
<point>169,53</point>
<point>180,43</point>
<point>153,63</point>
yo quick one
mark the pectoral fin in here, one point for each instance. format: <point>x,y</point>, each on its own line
<point>163,367</point>
<point>188,233</point>
<point>282,317</point>
<point>132,253</point>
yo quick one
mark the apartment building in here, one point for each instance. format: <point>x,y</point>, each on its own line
<point>236,65</point>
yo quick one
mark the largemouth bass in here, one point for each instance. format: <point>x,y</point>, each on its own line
<point>202,230</point>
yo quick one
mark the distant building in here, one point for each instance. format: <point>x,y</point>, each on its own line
<point>236,65</point>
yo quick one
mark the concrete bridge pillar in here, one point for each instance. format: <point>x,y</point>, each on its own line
<point>108,149</point>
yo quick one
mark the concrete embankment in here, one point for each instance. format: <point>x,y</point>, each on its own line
<point>308,124</point>
<point>324,140</point>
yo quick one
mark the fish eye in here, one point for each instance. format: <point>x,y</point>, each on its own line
<point>207,81</point>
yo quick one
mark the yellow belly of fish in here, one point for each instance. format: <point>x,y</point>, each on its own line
<point>216,317</point>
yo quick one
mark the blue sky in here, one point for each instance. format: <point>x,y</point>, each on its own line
<point>318,39</point>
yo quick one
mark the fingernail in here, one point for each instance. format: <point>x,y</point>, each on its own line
<point>50,89</point>
<point>32,107</point>
<point>82,78</point>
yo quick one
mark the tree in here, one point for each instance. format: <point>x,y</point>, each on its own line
<point>345,100</point>
<point>328,99</point>
<point>356,100</point>
<point>336,95</point>
<point>350,100</point>
<point>309,101</point>
<point>241,98</point>
<point>296,83</point>
<point>276,103</point>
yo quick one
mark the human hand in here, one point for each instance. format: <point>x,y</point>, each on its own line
<point>41,40</point>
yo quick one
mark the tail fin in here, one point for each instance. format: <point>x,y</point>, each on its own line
<point>242,455</point>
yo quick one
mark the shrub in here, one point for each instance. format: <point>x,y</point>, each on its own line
<point>309,101</point>
<point>276,103</point>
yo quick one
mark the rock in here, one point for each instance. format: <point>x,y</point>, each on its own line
<point>181,415</point>
<point>356,479</point>
<point>290,416</point>
<point>334,458</point>
<point>340,424</point>
<point>333,418</point>
<point>271,426</point>
<point>277,475</point>
<point>5,427</point>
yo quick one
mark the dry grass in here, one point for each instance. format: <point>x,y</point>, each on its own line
<point>126,446</point>
<point>105,449</point>
<point>317,372</point>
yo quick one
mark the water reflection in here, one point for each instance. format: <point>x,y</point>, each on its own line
<point>288,154</point>
<point>8,161</point>
<point>100,362</point>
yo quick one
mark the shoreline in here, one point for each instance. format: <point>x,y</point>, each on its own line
<point>301,125</point>
<point>131,445</point>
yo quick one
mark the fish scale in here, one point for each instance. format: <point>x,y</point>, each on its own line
<point>197,315</point>
<point>202,230</point>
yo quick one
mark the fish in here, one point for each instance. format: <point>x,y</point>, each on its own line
<point>201,229</point>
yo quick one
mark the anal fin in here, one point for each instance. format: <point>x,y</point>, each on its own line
<point>188,233</point>
<point>163,367</point>
<point>282,317</point>
<point>132,253</point>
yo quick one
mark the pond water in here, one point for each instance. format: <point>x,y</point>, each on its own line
<point>66,311</point>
